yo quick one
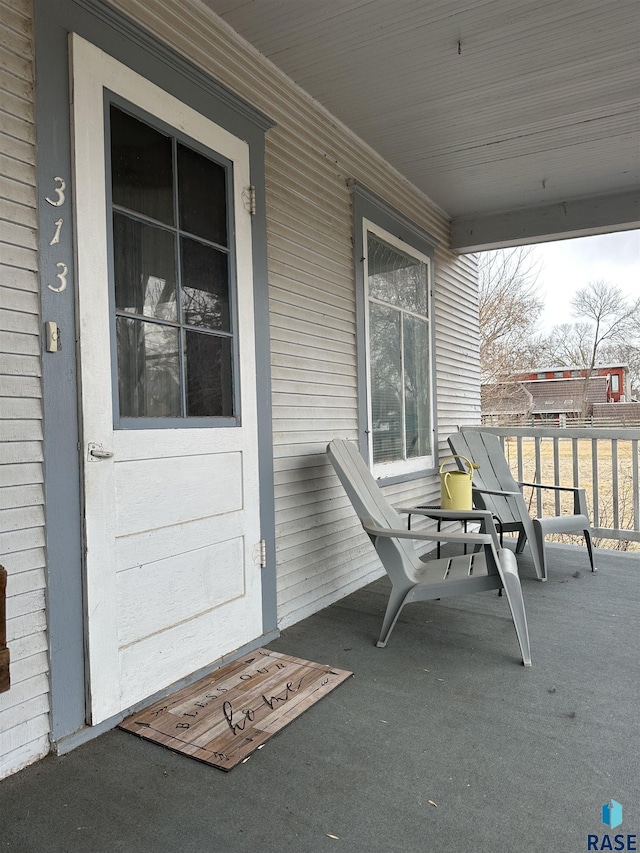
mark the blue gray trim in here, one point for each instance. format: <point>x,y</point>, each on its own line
<point>164,57</point>
<point>63,512</point>
<point>371,206</point>
<point>66,744</point>
<point>97,22</point>
<point>368,205</point>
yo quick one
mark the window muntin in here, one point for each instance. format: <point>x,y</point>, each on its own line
<point>400,404</point>
<point>172,269</point>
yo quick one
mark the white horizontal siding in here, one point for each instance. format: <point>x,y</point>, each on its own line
<point>24,719</point>
<point>322,553</point>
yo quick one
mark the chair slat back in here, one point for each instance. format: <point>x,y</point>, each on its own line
<point>494,473</point>
<point>359,484</point>
<point>371,505</point>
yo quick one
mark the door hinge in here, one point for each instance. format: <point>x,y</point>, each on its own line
<point>249,199</point>
<point>260,554</point>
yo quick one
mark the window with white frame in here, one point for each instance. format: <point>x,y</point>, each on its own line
<point>400,422</point>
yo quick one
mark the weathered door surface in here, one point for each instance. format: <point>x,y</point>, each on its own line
<point>167,363</point>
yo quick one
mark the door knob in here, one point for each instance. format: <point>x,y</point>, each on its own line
<point>99,452</point>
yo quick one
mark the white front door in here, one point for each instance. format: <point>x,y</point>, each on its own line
<point>168,402</point>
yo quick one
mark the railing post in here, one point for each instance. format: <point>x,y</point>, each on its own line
<point>614,483</point>
<point>538,476</point>
<point>556,471</point>
<point>635,484</point>
<point>594,482</point>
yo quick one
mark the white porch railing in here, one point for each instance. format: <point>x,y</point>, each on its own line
<point>604,462</point>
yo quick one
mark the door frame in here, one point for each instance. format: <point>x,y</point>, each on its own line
<point>112,32</point>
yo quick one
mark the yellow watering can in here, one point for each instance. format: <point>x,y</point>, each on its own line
<point>455,486</point>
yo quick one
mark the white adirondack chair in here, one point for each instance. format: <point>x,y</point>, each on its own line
<point>415,578</point>
<point>495,489</point>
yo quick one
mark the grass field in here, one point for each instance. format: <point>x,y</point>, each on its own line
<point>607,464</point>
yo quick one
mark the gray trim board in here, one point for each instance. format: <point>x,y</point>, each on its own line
<point>60,393</point>
<point>66,744</point>
<point>392,220</point>
<point>112,32</point>
<point>578,218</point>
<point>173,61</point>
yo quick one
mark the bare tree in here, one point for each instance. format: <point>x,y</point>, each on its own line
<point>612,317</point>
<point>610,330</point>
<point>509,307</point>
<point>570,345</point>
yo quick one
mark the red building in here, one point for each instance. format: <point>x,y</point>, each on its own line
<point>617,378</point>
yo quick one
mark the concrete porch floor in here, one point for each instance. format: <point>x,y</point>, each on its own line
<point>515,759</point>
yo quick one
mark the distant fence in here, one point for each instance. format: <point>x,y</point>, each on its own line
<point>604,419</point>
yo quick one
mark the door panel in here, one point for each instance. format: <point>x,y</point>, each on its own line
<point>171,511</point>
<point>166,587</point>
<point>155,493</point>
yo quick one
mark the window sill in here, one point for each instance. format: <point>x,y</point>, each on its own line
<point>407,478</point>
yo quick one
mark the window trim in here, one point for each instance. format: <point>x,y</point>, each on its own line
<point>183,422</point>
<point>400,231</point>
<point>384,470</point>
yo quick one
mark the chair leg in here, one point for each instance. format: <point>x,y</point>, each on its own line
<point>513,590</point>
<point>587,539</point>
<point>394,606</point>
<point>522,538</point>
<point>538,551</point>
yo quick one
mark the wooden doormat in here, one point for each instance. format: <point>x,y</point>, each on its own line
<point>224,717</point>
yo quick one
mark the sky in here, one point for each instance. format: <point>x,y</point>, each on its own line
<point>566,265</point>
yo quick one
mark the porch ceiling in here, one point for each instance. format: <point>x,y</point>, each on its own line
<point>519,118</point>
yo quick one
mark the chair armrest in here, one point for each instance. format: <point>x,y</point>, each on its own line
<point>444,536</point>
<point>504,494</point>
<point>547,486</point>
<point>579,495</point>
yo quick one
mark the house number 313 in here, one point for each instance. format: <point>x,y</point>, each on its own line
<point>58,201</point>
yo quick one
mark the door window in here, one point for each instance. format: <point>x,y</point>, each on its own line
<point>173,272</point>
